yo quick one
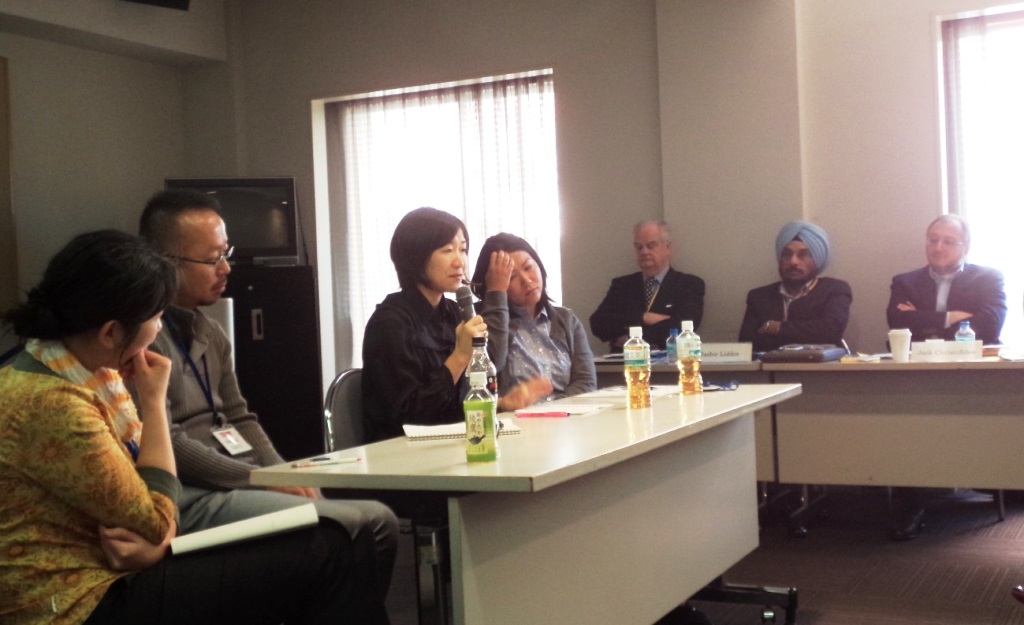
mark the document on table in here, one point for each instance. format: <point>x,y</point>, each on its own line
<point>559,410</point>
<point>452,430</point>
<point>657,390</point>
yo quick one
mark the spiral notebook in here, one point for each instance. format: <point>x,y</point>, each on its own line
<point>452,430</point>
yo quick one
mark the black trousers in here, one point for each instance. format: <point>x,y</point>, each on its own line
<point>311,576</point>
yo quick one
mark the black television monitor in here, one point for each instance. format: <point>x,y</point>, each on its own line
<point>260,214</point>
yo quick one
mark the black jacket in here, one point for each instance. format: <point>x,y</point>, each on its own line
<point>681,297</point>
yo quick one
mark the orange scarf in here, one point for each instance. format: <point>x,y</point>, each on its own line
<point>106,383</point>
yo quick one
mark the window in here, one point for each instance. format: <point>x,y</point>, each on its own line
<point>482,150</point>
<point>983,71</point>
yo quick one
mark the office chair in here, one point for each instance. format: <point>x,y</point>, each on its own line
<point>344,428</point>
<point>343,412</point>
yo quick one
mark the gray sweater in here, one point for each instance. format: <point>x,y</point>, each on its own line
<point>201,460</point>
<point>565,328</point>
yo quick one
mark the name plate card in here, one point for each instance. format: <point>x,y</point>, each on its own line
<point>726,352</point>
<point>945,351</point>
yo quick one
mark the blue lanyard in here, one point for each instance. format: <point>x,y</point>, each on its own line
<point>204,380</point>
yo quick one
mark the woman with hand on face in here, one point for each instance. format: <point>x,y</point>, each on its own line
<point>416,347</point>
<point>540,350</point>
<point>89,494</point>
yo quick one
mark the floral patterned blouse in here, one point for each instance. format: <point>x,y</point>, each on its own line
<point>62,474</point>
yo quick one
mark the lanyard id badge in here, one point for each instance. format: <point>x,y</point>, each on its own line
<point>231,440</point>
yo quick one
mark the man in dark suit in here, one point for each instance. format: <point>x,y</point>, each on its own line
<point>933,300</point>
<point>657,298</point>
<point>802,308</point>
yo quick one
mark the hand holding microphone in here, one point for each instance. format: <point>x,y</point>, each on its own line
<point>472,324</point>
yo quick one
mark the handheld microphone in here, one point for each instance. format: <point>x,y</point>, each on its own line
<point>464,298</point>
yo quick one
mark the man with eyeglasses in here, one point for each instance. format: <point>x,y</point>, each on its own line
<point>931,302</point>
<point>217,441</point>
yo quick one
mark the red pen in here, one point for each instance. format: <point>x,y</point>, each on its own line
<point>542,414</point>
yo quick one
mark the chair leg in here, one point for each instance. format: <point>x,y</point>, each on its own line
<point>1000,504</point>
<point>431,577</point>
<point>720,591</point>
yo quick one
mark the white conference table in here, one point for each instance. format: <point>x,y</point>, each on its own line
<point>951,424</point>
<point>615,516</point>
<point>611,373</point>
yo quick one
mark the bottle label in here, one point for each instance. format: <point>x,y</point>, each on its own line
<point>689,348</point>
<point>481,444</point>
<point>636,355</point>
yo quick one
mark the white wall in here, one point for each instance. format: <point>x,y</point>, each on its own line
<point>92,136</point>
<point>96,104</point>
<point>867,125</point>
<point>605,60</point>
<point>155,33</point>
<point>730,144</point>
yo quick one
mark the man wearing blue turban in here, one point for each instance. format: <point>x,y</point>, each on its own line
<point>802,307</point>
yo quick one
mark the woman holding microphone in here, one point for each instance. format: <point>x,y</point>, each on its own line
<point>416,346</point>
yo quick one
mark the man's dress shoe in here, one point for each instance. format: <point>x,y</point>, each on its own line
<point>908,526</point>
<point>1018,593</point>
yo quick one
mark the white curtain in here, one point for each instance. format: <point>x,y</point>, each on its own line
<point>983,63</point>
<point>484,152</point>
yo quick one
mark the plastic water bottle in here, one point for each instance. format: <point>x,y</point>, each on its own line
<point>481,426</point>
<point>671,351</point>
<point>965,333</point>
<point>636,354</point>
<point>690,382</point>
<point>480,361</point>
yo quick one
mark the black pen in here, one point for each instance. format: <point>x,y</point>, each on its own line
<point>323,462</point>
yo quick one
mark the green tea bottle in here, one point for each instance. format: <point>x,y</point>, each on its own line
<point>479,406</point>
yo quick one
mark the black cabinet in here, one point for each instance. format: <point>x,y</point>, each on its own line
<point>277,353</point>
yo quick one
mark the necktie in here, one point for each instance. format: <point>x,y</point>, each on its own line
<point>650,288</point>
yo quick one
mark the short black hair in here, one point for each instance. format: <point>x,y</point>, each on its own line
<point>417,236</point>
<point>505,242</point>
<point>159,222</point>
<point>97,277</point>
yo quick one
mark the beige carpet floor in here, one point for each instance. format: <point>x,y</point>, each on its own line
<point>959,571</point>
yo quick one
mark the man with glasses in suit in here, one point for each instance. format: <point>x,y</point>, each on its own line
<point>657,298</point>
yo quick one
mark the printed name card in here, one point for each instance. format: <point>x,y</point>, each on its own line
<point>726,352</point>
<point>945,351</point>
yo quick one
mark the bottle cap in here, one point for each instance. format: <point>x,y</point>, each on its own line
<point>636,332</point>
<point>673,332</point>
<point>965,324</point>
<point>479,341</point>
<point>687,326</point>
<point>477,378</point>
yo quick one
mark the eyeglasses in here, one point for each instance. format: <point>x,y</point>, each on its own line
<point>937,242</point>
<point>213,263</point>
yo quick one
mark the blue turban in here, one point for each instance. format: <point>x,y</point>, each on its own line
<point>814,237</point>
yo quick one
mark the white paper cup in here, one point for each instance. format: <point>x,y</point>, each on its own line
<point>899,344</point>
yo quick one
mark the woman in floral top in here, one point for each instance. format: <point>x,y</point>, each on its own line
<point>88,506</point>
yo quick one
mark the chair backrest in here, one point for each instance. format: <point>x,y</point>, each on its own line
<point>343,412</point>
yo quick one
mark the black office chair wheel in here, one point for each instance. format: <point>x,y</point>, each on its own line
<point>768,615</point>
